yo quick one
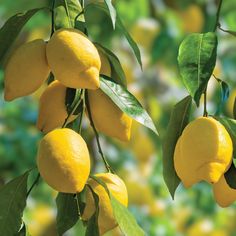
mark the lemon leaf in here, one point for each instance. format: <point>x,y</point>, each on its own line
<point>120,25</point>
<point>12,203</point>
<point>230,176</point>
<point>126,102</point>
<point>178,120</point>
<point>234,109</point>
<point>11,29</point>
<point>119,76</point>
<point>67,212</point>
<point>112,12</point>
<point>230,126</point>
<point>66,12</point>
<point>196,59</point>
<point>125,219</point>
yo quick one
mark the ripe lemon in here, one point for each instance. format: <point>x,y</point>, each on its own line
<point>107,117</point>
<point>73,59</point>
<point>203,152</point>
<point>230,102</point>
<point>223,193</point>
<point>26,70</point>
<point>118,190</point>
<point>63,160</point>
<point>52,108</point>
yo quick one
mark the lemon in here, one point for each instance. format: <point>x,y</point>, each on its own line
<point>107,117</point>
<point>52,108</point>
<point>26,70</point>
<point>223,193</point>
<point>63,160</point>
<point>203,152</point>
<point>230,102</point>
<point>73,59</point>
<point>118,190</point>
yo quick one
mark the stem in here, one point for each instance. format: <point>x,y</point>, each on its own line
<point>96,134</point>
<point>77,197</point>
<point>53,25</point>
<point>218,15</point>
<point>205,114</point>
<point>32,186</point>
<point>83,109</point>
<point>73,110</point>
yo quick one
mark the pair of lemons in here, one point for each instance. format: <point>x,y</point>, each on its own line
<point>204,152</point>
<point>75,63</point>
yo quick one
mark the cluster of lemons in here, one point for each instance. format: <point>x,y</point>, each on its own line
<point>204,152</point>
<point>63,158</point>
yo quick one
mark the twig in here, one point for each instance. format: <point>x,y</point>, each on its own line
<point>32,186</point>
<point>53,25</point>
<point>205,114</point>
<point>96,133</point>
<point>73,110</point>
<point>218,15</point>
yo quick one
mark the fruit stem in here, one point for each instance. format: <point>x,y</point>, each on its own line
<point>218,15</point>
<point>73,110</point>
<point>32,186</point>
<point>83,109</point>
<point>205,114</point>
<point>53,25</point>
<point>96,133</point>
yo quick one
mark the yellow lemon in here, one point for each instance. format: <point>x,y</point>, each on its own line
<point>63,160</point>
<point>26,70</point>
<point>223,193</point>
<point>118,190</point>
<point>203,152</point>
<point>193,19</point>
<point>107,117</point>
<point>52,108</point>
<point>73,59</point>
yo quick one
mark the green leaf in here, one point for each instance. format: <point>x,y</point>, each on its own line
<point>67,212</point>
<point>119,76</point>
<point>230,126</point>
<point>66,12</point>
<point>234,109</point>
<point>92,228</point>
<point>112,12</point>
<point>230,176</point>
<point>12,203</point>
<point>197,58</point>
<point>178,120</point>
<point>22,231</point>
<point>11,29</point>
<point>126,102</point>
<point>224,95</point>
<point>119,24</point>
<point>125,220</point>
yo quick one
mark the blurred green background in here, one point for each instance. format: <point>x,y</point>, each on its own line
<point>158,27</point>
